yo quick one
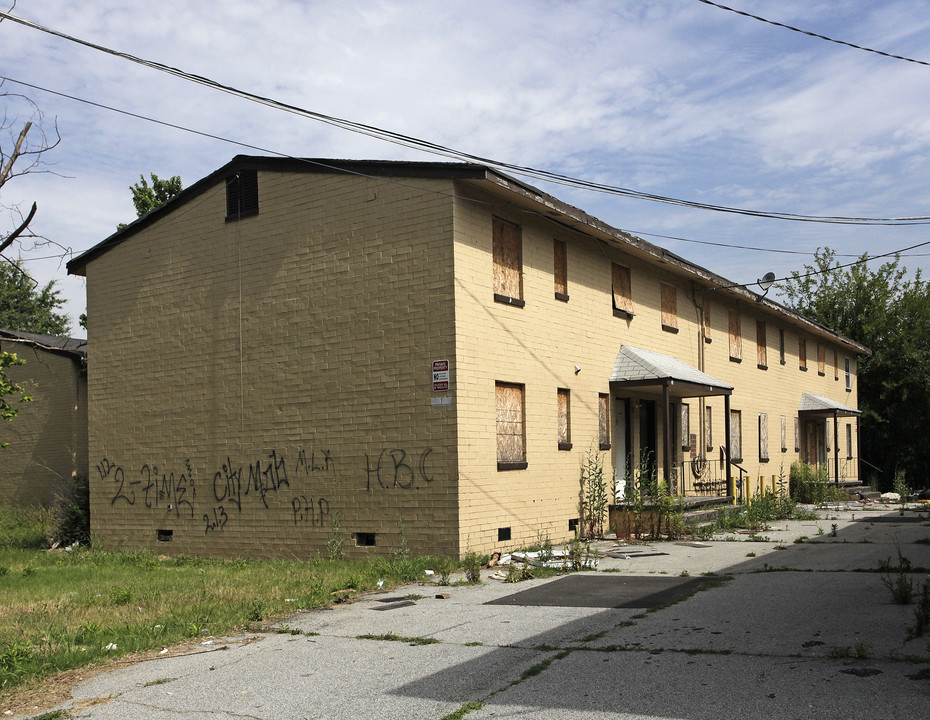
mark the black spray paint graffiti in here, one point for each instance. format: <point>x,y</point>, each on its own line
<point>124,491</point>
<point>393,469</point>
<point>164,489</point>
<point>306,511</point>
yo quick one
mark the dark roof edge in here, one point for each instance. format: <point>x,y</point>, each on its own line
<point>74,347</point>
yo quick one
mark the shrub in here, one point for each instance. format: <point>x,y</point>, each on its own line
<point>71,514</point>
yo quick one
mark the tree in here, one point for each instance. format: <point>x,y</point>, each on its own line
<point>889,313</point>
<point>148,197</point>
<point>26,307</point>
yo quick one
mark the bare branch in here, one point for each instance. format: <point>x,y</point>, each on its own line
<point>13,235</point>
<point>17,151</point>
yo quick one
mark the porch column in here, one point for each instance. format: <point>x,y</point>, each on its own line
<point>836,446</point>
<point>666,418</point>
<point>731,488</point>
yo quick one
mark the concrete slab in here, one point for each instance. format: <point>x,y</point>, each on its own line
<point>604,591</point>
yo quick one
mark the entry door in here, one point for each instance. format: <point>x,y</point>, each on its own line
<point>621,444</point>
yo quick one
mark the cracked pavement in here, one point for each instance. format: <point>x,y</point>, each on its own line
<point>786,630</point>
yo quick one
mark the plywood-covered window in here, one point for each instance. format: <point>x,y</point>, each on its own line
<point>781,346</point>
<point>763,437</point>
<point>736,343</point>
<point>849,441</point>
<point>708,429</point>
<point>784,434</point>
<point>621,290</point>
<point>564,398</point>
<point>736,436</point>
<point>848,374</point>
<point>761,345</point>
<point>797,435</point>
<point>821,359</point>
<point>511,429</point>
<point>669,308</point>
<point>836,365</point>
<point>802,354</point>
<point>603,421</point>
<point>507,254</point>
<point>560,269</point>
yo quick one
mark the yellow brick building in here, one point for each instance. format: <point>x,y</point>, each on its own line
<point>293,350</point>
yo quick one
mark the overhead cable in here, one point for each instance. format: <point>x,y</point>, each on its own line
<point>441,150</point>
<point>813,34</point>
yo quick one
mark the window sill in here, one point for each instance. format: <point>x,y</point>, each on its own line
<point>762,367</point>
<point>623,314</point>
<point>562,297</point>
<point>802,369</point>
<point>764,460</point>
<point>821,374</point>
<point>242,215</point>
<point>736,359</point>
<point>501,466</point>
<point>708,340</point>
<point>669,328</point>
<point>507,300</point>
<point>604,446</point>
<point>565,446</point>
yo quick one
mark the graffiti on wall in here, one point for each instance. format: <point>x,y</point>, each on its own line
<point>264,482</point>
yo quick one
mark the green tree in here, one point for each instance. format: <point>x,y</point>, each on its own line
<point>26,307</point>
<point>888,312</point>
<point>147,197</point>
<point>8,411</point>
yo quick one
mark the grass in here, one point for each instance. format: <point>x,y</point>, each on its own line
<point>391,637</point>
<point>63,610</point>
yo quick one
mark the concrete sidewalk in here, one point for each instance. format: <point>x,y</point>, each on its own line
<point>784,629</point>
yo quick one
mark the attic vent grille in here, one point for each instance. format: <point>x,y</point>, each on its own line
<point>241,195</point>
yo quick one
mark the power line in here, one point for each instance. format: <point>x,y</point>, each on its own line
<point>437,149</point>
<point>813,34</point>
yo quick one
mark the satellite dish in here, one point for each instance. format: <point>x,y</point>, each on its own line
<point>766,282</point>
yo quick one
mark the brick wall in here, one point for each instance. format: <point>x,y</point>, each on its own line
<point>255,384</point>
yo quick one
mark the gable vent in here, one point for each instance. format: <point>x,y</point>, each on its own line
<point>241,195</point>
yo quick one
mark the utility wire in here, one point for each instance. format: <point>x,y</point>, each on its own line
<point>437,149</point>
<point>813,34</point>
<point>268,151</point>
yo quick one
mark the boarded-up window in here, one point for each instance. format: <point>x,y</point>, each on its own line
<point>685,426</point>
<point>508,260</point>
<point>736,345</point>
<point>761,345</point>
<point>802,353</point>
<point>848,375</point>
<point>707,334</point>
<point>669,307</point>
<point>849,445</point>
<point>620,284</point>
<point>821,359</point>
<point>828,435</point>
<point>603,421</point>
<point>708,429</point>
<point>797,435</point>
<point>564,419</point>
<point>763,436</point>
<point>784,434</point>
<point>836,365</point>
<point>560,269</point>
<point>736,436</point>
<point>781,346</point>
<point>511,432</point>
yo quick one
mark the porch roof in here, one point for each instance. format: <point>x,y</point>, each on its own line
<point>818,405</point>
<point>645,368</point>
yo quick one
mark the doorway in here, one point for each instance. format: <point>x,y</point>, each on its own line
<point>622,445</point>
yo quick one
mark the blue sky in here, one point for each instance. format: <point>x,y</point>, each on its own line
<point>671,97</point>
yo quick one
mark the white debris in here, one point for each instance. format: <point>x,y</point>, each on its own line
<point>891,497</point>
<point>111,646</point>
<point>428,572</point>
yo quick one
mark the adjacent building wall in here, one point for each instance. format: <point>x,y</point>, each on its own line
<point>48,437</point>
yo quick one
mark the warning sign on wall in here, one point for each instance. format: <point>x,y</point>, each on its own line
<point>440,375</point>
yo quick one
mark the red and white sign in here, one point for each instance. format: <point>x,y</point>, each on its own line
<point>440,375</point>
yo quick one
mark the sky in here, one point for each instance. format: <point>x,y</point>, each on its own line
<point>671,97</point>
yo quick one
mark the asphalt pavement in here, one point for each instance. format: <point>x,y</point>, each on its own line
<point>794,622</point>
